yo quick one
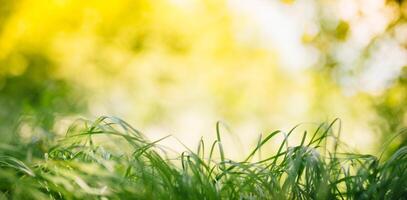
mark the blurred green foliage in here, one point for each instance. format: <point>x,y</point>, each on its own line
<point>30,93</point>
<point>389,105</point>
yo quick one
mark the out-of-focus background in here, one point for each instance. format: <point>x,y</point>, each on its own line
<point>178,66</point>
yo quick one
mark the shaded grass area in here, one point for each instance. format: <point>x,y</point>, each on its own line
<point>109,159</point>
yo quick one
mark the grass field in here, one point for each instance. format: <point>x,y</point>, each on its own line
<point>109,159</point>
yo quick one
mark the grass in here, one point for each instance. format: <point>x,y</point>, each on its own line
<point>109,159</point>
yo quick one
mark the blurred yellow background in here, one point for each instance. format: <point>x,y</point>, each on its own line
<point>178,66</point>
